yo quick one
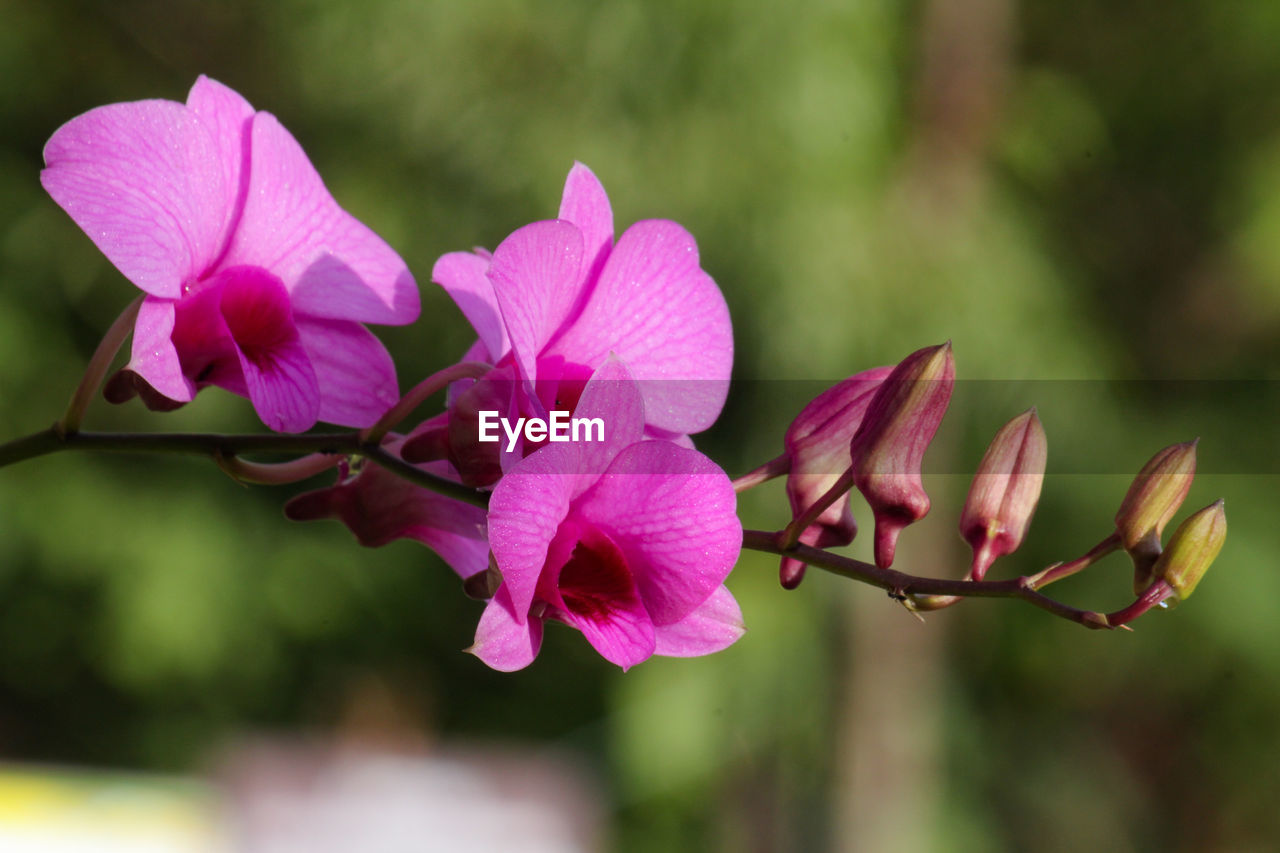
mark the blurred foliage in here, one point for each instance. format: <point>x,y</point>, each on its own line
<point>1067,191</point>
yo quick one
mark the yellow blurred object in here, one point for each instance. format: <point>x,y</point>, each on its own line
<point>64,811</point>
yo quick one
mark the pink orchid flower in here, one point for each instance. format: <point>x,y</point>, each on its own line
<point>627,540</point>
<point>255,279</point>
<point>380,507</point>
<point>557,297</point>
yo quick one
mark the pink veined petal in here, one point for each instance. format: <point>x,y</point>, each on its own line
<point>144,181</point>
<point>228,117</point>
<point>525,513</point>
<point>154,356</point>
<point>354,372</point>
<point>536,274</point>
<point>666,318</point>
<point>673,512</point>
<point>278,375</point>
<point>332,265</point>
<point>614,397</point>
<point>464,276</point>
<point>505,641</point>
<point>585,204</point>
<point>379,507</point>
<point>713,626</point>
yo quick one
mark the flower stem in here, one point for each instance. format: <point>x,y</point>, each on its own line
<point>278,473</point>
<point>223,447</point>
<point>419,393</point>
<point>904,587</point>
<point>791,534</point>
<point>773,468</point>
<point>1062,570</point>
<point>96,370</point>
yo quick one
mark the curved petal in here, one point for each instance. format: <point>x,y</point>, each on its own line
<point>380,507</point>
<point>585,204</point>
<point>673,512</point>
<point>464,277</point>
<point>333,266</point>
<point>228,117</point>
<point>525,513</point>
<point>504,640</point>
<point>713,626</point>
<point>666,318</point>
<point>536,275</point>
<point>354,372</point>
<point>145,182</point>
<point>154,357</point>
<point>612,396</point>
<point>278,375</point>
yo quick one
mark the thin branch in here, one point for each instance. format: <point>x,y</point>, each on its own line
<point>773,468</point>
<point>97,368</point>
<point>420,392</point>
<point>902,586</point>
<point>223,447</point>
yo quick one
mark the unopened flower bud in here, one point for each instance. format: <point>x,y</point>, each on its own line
<point>1152,499</point>
<point>1005,491</point>
<point>817,448</point>
<point>889,446</point>
<point>1192,549</point>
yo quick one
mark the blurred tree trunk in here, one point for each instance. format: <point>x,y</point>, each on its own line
<point>889,728</point>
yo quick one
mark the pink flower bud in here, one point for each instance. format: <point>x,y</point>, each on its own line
<point>817,445</point>
<point>1152,499</point>
<point>1192,549</point>
<point>1005,491</point>
<point>889,446</point>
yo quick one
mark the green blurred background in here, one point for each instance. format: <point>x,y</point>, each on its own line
<point>1083,191</point>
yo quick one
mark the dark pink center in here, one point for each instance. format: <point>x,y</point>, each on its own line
<point>595,580</point>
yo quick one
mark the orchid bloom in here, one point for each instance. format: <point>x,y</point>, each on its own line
<point>627,540</point>
<point>379,507</point>
<point>255,279</point>
<point>557,297</point>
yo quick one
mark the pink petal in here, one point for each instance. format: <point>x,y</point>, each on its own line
<point>505,641</point>
<point>525,514</point>
<point>586,205</point>
<point>154,356</point>
<point>333,266</point>
<point>228,117</point>
<point>145,182</point>
<point>278,374</point>
<point>660,313</point>
<point>713,626</point>
<point>380,507</point>
<point>595,592</point>
<point>354,372</point>
<point>614,397</point>
<point>536,275</point>
<point>464,276</point>
<point>481,463</point>
<point>673,512</point>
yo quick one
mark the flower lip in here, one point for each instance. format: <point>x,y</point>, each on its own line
<point>595,577</point>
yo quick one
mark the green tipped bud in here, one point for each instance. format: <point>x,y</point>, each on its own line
<point>1192,549</point>
<point>1005,491</point>
<point>1152,500</point>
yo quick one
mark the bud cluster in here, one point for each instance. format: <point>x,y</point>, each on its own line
<point>887,418</point>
